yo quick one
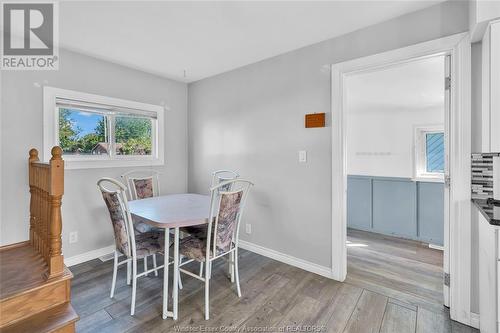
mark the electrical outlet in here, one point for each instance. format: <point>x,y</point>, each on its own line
<point>73,237</point>
<point>248,228</point>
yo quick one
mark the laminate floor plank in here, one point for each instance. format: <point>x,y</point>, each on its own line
<point>428,321</point>
<point>341,308</point>
<point>368,313</point>
<point>398,319</point>
<point>398,264</point>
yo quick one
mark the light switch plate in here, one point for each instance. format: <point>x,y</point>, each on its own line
<point>248,228</point>
<point>302,156</point>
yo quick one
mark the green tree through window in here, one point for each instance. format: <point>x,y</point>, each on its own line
<point>86,133</point>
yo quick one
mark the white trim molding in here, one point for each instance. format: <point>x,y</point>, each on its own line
<point>287,259</point>
<point>474,320</point>
<point>87,256</point>
<point>457,254</point>
<point>52,95</point>
<point>263,251</point>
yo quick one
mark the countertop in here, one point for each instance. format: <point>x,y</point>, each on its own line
<point>490,209</point>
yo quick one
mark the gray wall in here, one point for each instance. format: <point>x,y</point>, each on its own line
<point>252,119</point>
<point>21,129</point>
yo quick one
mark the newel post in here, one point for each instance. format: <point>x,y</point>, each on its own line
<point>56,264</point>
<point>33,158</point>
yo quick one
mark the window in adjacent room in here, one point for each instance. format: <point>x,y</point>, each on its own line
<point>430,152</point>
<point>98,131</point>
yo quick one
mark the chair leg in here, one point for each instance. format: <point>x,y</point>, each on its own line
<point>231,266</point>
<point>180,281</point>
<point>236,273</point>
<point>115,269</point>
<point>134,286</point>
<point>207,287</point>
<point>154,264</point>
<point>201,269</point>
<point>145,264</point>
<point>129,270</point>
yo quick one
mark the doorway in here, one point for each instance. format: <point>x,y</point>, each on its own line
<point>396,149</point>
<point>456,242</point>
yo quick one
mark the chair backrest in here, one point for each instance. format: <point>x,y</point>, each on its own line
<point>226,210</point>
<point>142,184</point>
<point>113,193</point>
<point>221,176</point>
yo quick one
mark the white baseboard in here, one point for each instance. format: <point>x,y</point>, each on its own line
<point>474,320</point>
<point>94,254</point>
<point>436,247</point>
<point>287,259</point>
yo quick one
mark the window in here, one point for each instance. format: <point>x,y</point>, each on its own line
<point>434,152</point>
<point>429,152</point>
<point>98,131</point>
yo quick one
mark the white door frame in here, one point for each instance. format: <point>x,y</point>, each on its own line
<point>457,241</point>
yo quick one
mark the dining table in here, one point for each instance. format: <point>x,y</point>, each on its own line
<point>169,212</point>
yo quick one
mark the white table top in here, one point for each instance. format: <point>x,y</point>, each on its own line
<point>173,210</point>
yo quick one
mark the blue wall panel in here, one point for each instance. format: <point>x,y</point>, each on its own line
<point>396,206</point>
<point>430,212</point>
<point>359,203</point>
<point>394,209</point>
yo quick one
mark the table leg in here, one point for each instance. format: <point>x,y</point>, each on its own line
<point>175,286</point>
<point>166,259</point>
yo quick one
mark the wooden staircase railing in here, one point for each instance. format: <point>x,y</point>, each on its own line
<point>46,183</point>
<point>35,286</point>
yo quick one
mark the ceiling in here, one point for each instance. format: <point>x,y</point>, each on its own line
<point>412,86</point>
<point>211,37</point>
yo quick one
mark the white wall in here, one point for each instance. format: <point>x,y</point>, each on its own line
<point>21,129</point>
<point>252,119</point>
<point>384,107</point>
<point>380,141</point>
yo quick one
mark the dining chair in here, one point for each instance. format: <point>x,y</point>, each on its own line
<point>220,239</point>
<point>127,243</point>
<point>221,176</point>
<point>142,184</point>
<point>218,177</point>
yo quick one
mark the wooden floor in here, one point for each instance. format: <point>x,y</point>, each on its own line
<point>392,286</point>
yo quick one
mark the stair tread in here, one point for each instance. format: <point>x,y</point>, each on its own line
<point>46,321</point>
<point>22,270</point>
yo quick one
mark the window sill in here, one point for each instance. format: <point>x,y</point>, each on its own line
<point>70,164</point>
<point>428,179</point>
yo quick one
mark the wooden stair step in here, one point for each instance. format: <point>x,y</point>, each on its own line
<point>60,319</point>
<point>24,289</point>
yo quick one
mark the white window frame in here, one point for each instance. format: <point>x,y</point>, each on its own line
<point>420,162</point>
<point>51,131</point>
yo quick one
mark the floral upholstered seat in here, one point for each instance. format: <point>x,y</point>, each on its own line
<point>143,227</point>
<point>149,243</point>
<point>193,248</point>
<point>195,245</point>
